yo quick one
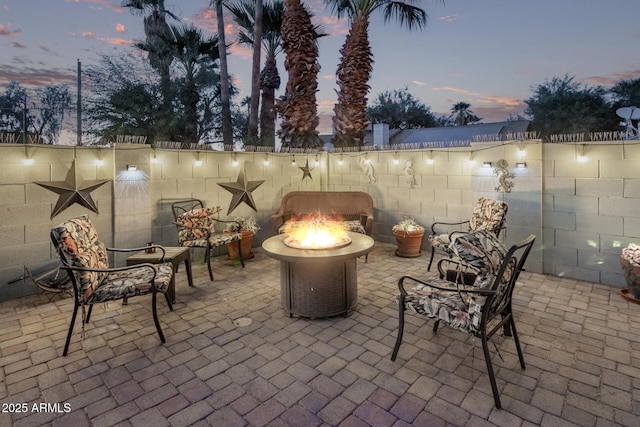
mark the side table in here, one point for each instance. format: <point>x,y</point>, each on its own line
<point>174,255</point>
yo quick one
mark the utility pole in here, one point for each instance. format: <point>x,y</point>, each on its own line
<point>24,121</point>
<point>79,106</point>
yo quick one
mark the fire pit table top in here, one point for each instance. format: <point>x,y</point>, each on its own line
<point>361,244</point>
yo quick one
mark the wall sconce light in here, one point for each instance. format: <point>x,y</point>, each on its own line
<point>28,161</point>
<point>341,160</point>
<point>430,159</point>
<point>266,160</point>
<point>471,159</point>
<point>396,160</point>
<point>293,160</point>
<point>521,165</point>
<point>99,161</point>
<point>154,159</point>
<point>198,162</point>
<point>316,162</point>
<point>132,168</point>
<point>521,151</point>
<point>234,160</point>
<point>487,164</point>
<point>581,158</point>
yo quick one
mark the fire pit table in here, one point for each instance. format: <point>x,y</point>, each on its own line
<point>318,282</point>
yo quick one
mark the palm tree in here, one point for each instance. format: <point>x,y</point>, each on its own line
<point>252,131</point>
<point>463,115</point>
<point>225,96</point>
<point>194,53</point>
<point>354,70</point>
<point>156,31</point>
<point>272,16</point>
<point>298,106</point>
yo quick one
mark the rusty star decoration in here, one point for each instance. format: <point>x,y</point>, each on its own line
<point>241,191</point>
<point>306,171</point>
<point>73,190</point>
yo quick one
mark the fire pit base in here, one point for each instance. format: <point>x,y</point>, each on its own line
<point>318,289</point>
<point>318,283</point>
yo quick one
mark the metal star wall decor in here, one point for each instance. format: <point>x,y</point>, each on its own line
<point>73,190</point>
<point>306,171</point>
<point>241,191</point>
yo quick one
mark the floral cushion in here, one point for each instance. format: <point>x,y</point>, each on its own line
<point>214,241</point>
<point>196,224</point>
<point>479,252</point>
<point>488,214</point>
<point>77,241</point>
<point>132,282</point>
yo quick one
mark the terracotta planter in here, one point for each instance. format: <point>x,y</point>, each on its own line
<point>409,242</point>
<point>247,242</point>
<point>632,276</point>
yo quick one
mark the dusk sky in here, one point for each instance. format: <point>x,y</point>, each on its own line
<point>488,53</point>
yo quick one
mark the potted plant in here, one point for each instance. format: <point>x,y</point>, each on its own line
<point>248,227</point>
<point>409,238</point>
<point>630,262</point>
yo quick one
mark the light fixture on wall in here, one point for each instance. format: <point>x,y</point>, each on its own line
<point>132,168</point>
<point>234,160</point>
<point>580,156</point>
<point>487,164</point>
<point>430,159</point>
<point>28,161</point>
<point>367,160</point>
<point>293,160</point>
<point>154,159</point>
<point>341,160</point>
<point>521,165</point>
<point>521,151</point>
<point>471,159</point>
<point>266,160</point>
<point>198,162</point>
<point>396,160</point>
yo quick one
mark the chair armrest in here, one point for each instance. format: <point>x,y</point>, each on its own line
<point>433,226</point>
<point>112,269</point>
<point>444,286</point>
<point>277,221</point>
<point>144,248</point>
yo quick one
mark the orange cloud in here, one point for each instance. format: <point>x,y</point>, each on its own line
<point>88,35</point>
<point>4,31</point>
<point>120,28</point>
<point>612,79</point>
<point>482,98</point>
<point>418,83</point>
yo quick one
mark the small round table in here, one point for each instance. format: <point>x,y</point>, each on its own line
<point>318,282</point>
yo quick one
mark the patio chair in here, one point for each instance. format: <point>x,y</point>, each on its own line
<point>197,229</point>
<point>84,257</point>
<point>480,308</point>
<point>488,214</point>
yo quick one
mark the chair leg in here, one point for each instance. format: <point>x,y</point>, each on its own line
<point>155,315</point>
<point>401,309</point>
<point>207,255</point>
<point>435,326</point>
<point>492,376</point>
<point>73,321</point>
<point>517,341</point>
<point>166,296</point>
<point>86,320</point>
<point>433,252</point>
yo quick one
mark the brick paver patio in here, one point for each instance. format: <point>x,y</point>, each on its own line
<point>580,343</point>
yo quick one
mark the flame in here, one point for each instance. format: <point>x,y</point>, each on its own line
<point>316,231</point>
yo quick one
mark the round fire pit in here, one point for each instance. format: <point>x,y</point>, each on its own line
<point>318,282</point>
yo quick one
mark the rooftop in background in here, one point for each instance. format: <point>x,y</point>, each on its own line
<point>447,136</point>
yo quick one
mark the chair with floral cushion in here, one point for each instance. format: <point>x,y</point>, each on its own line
<point>480,308</point>
<point>488,214</point>
<point>84,257</point>
<point>197,229</point>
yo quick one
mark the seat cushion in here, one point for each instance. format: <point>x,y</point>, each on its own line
<point>488,214</point>
<point>132,282</point>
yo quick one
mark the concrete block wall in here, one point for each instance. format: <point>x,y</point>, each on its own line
<point>582,213</point>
